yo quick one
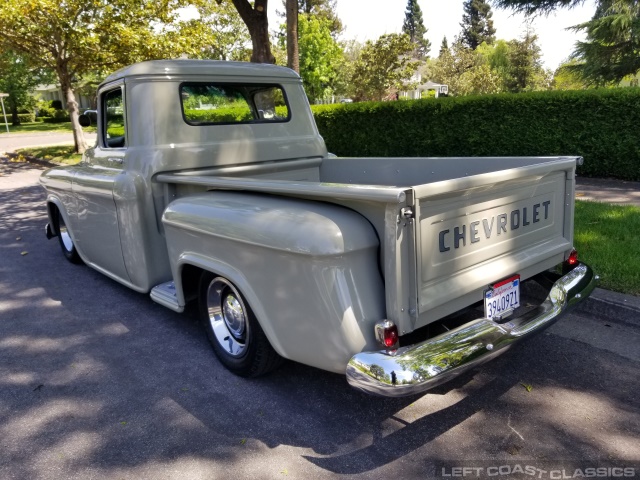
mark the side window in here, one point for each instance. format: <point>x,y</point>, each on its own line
<point>207,103</point>
<point>113,124</point>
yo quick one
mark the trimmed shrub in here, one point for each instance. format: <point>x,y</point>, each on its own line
<point>599,125</point>
<point>26,117</point>
<point>59,116</point>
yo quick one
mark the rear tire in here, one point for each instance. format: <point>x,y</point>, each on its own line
<point>234,333</point>
<point>66,242</point>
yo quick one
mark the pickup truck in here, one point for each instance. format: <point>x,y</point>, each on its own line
<point>210,183</point>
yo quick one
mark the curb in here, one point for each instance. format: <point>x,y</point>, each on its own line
<point>613,306</point>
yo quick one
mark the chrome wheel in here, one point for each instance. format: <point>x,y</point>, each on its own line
<point>233,330</point>
<point>65,237</point>
<point>227,316</point>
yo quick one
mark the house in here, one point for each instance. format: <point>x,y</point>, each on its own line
<point>54,92</point>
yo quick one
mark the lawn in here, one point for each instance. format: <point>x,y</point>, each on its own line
<point>607,237</point>
<point>36,127</point>
<point>62,154</point>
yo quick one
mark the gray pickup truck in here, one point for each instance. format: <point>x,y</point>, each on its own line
<point>210,183</point>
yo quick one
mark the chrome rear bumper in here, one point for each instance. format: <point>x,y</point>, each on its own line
<point>422,366</point>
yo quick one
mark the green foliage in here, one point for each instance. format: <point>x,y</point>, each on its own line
<point>612,47</point>
<point>466,72</point>
<point>611,50</point>
<point>228,115</point>
<point>324,10</point>
<point>59,116</point>
<point>595,124</point>
<point>320,56</point>
<point>26,117</point>
<point>383,66</point>
<point>477,25</point>
<point>565,78</point>
<point>414,27</point>
<point>18,79</point>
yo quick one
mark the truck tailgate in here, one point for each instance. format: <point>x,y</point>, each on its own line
<point>475,231</point>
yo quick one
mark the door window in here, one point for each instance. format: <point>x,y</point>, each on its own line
<point>113,125</point>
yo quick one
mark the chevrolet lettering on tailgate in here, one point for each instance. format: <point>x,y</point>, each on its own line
<point>497,224</point>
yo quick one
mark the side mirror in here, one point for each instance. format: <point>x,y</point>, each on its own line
<point>84,120</point>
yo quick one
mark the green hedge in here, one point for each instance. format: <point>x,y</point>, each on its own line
<point>26,117</point>
<point>227,115</point>
<point>600,125</point>
<point>59,116</point>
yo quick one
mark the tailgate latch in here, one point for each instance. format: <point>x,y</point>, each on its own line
<point>406,212</point>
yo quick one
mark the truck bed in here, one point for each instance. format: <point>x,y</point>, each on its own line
<point>448,227</point>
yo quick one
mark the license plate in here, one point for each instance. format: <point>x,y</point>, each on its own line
<point>502,298</point>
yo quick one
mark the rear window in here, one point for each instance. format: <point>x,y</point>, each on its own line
<point>209,103</point>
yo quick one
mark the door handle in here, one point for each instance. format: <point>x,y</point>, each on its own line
<point>114,159</point>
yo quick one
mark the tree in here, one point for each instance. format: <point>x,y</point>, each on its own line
<point>320,56</point>
<point>414,27</point>
<point>525,65</point>
<point>216,33</point>
<point>477,25</point>
<point>255,18</point>
<point>612,48</point>
<point>293,55</point>
<point>325,9</point>
<point>75,37</point>
<point>384,65</point>
<point>444,47</point>
<point>565,78</point>
<point>18,79</point>
<point>466,72</point>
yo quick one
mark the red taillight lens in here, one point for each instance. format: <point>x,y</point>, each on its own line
<point>387,333</point>
<point>573,258</point>
<point>390,336</point>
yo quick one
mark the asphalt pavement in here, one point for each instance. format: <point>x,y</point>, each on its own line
<point>97,381</point>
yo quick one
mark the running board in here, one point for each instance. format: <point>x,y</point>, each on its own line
<point>165,295</point>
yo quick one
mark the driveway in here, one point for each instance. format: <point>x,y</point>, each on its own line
<point>97,381</point>
<point>13,141</point>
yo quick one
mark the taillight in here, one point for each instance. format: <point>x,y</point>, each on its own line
<point>387,333</point>
<point>573,258</point>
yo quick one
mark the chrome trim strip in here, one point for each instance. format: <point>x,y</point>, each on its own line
<point>417,368</point>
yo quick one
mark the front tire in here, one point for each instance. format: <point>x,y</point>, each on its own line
<point>234,333</point>
<point>66,242</point>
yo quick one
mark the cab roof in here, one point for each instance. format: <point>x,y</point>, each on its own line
<point>202,67</point>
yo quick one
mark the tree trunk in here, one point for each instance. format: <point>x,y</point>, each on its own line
<point>255,18</point>
<point>293,58</point>
<point>15,119</point>
<point>72,105</point>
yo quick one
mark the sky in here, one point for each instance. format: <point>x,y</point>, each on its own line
<point>368,19</point>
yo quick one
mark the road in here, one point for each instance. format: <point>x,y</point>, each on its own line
<point>97,381</point>
<point>12,141</point>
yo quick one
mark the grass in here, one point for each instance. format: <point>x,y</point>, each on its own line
<point>62,154</point>
<point>607,238</point>
<point>36,127</point>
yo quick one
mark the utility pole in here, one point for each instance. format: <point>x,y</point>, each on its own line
<point>2,95</point>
